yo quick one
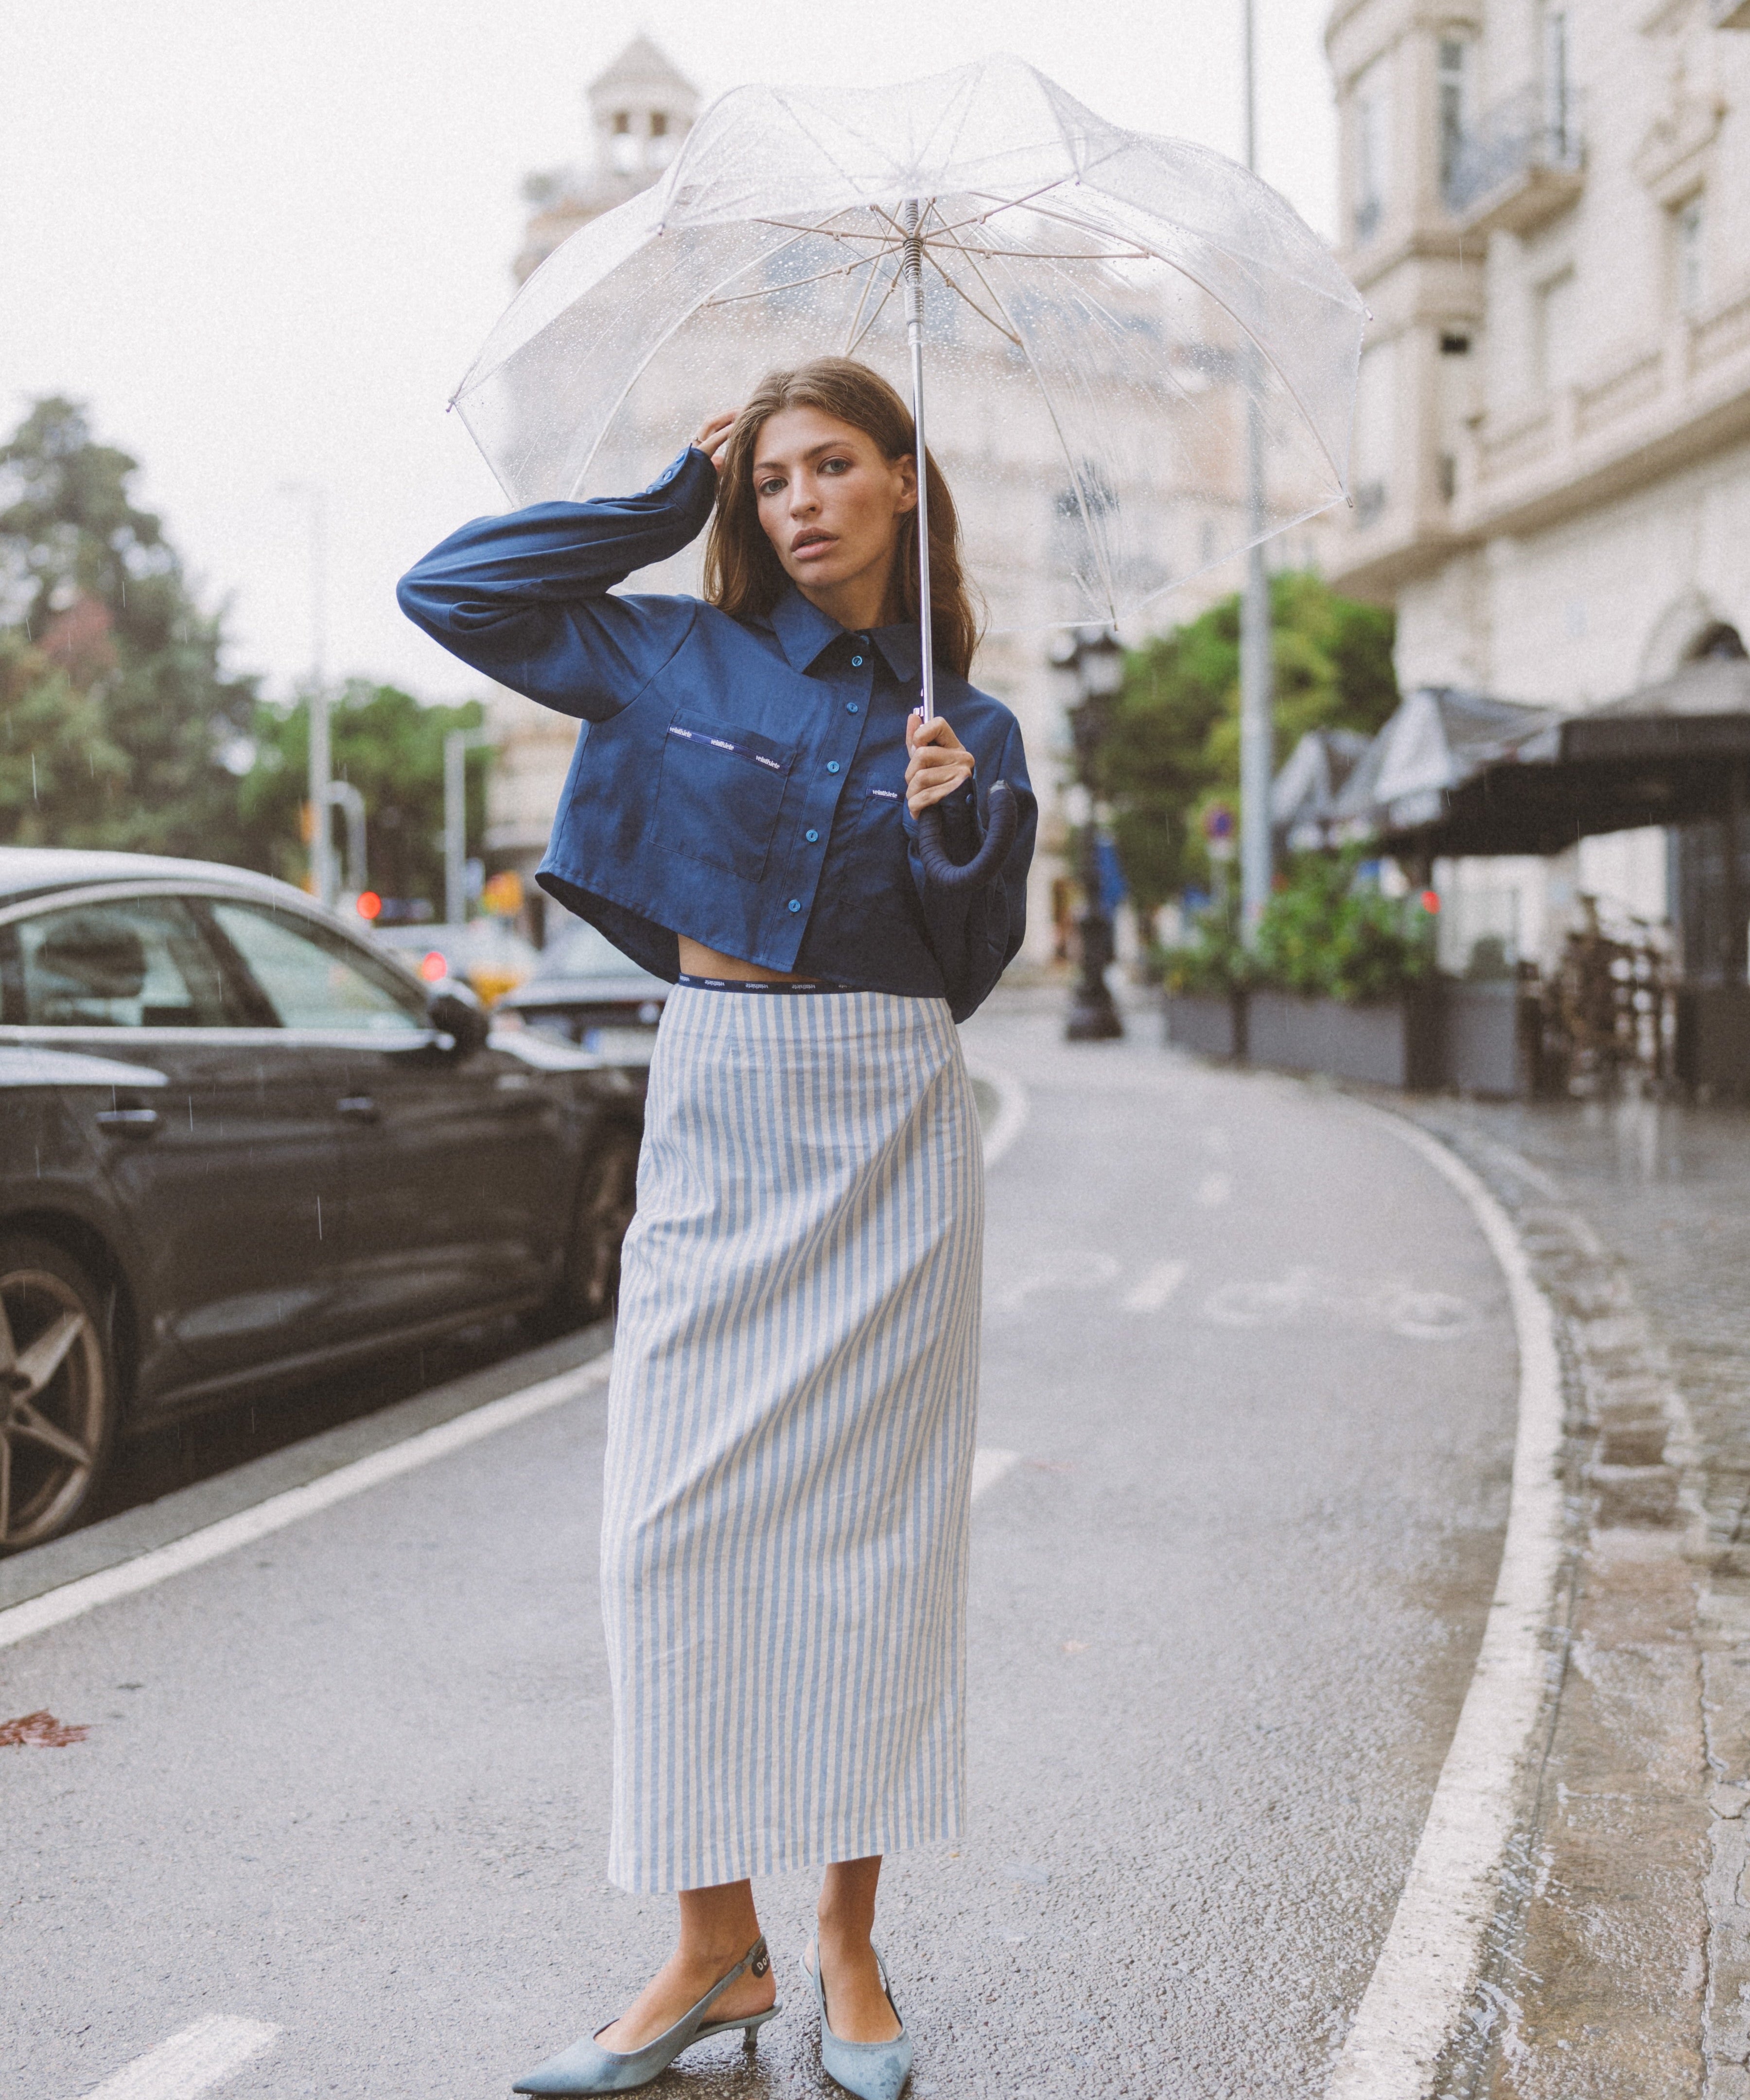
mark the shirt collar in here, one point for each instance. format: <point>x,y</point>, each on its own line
<point>805,632</point>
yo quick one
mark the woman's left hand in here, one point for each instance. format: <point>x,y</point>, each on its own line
<point>939,763</point>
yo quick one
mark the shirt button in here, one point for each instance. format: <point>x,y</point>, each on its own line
<point>856,663</point>
<point>813,837</point>
<point>832,766</point>
<point>795,904</point>
<point>850,706</point>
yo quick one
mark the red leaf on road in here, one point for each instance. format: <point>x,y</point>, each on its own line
<point>41,1731</point>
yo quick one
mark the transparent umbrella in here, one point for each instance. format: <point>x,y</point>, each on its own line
<point>1111,323</point>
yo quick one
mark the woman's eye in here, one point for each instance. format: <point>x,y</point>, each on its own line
<point>769,488</point>
<point>834,466</point>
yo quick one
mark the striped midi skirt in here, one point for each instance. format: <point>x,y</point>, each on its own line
<point>789,1459</point>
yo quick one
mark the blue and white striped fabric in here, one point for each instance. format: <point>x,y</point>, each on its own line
<point>790,1442</point>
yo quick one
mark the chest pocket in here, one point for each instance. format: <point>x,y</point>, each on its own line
<point>718,794</point>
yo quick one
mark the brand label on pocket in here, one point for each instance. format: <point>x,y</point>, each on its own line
<point>723,743</point>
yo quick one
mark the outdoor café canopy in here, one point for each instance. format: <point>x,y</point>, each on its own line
<point>1455,774</point>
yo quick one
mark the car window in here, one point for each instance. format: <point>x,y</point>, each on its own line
<point>315,978</point>
<point>128,961</point>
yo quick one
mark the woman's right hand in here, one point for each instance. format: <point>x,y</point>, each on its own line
<point>714,435</point>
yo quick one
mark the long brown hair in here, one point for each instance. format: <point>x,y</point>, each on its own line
<point>743,572</point>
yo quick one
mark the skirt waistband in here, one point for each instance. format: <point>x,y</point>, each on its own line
<point>760,985</point>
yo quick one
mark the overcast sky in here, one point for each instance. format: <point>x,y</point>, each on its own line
<point>262,241</point>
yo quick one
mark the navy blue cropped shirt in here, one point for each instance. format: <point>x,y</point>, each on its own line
<point>741,782</point>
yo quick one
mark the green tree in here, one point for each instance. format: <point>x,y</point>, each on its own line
<point>1174,746</point>
<point>391,749</point>
<point>116,715</point>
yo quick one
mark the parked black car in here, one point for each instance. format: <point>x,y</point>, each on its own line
<point>239,1145</point>
<point>583,990</point>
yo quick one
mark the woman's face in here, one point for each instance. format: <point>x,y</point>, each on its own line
<point>829,502</point>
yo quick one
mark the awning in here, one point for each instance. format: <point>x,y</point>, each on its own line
<point>1673,753</point>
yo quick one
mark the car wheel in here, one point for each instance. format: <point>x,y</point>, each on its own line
<point>607,1195</point>
<point>57,1391</point>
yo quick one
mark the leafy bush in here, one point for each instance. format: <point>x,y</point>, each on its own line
<point>1324,935</point>
<point>1214,962</point>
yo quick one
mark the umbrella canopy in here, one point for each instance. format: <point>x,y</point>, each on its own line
<point>1109,318</point>
<point>1671,753</point>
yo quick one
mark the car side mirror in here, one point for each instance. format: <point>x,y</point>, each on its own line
<point>454,1009</point>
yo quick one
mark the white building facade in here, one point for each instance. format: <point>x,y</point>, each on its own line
<point>1547,208</point>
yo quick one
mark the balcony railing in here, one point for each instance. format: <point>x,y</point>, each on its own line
<point>1509,148</point>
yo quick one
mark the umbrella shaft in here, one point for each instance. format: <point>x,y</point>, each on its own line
<point>912,270</point>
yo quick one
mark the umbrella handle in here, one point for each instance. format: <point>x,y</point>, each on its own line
<point>986,864</point>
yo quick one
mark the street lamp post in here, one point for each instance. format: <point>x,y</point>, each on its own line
<point>1257,680</point>
<point>1089,667</point>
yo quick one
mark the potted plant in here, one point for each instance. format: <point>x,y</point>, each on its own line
<point>1346,979</point>
<point>1206,982</point>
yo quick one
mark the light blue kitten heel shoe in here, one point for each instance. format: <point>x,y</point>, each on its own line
<point>587,2068</point>
<point>871,2070</point>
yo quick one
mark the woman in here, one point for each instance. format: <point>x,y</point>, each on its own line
<point>790,1416</point>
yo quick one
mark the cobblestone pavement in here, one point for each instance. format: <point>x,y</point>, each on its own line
<point>1620,1961</point>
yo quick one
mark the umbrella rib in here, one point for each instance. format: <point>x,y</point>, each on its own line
<point>771,291</point>
<point>852,337</point>
<point>990,320</point>
<point>825,231</point>
<point>881,308</point>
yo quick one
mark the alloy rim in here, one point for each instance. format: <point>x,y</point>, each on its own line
<point>51,1403</point>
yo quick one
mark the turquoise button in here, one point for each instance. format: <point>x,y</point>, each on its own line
<point>813,837</point>
<point>795,904</point>
<point>850,706</point>
<point>832,766</point>
<point>856,663</point>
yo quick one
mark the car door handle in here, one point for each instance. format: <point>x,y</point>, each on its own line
<point>357,1108</point>
<point>128,1123</point>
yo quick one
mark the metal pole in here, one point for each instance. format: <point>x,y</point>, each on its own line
<point>321,761</point>
<point>912,270</point>
<point>455,827</point>
<point>1256,682</point>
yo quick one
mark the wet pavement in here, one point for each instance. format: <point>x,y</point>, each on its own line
<point>1620,1960</point>
<point>1248,1416</point>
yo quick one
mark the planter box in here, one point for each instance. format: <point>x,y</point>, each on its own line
<point>1481,1039</point>
<point>1206,1024</point>
<point>1713,1040</point>
<point>1392,1044</point>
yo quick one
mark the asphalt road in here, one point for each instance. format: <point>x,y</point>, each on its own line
<point>1258,1368</point>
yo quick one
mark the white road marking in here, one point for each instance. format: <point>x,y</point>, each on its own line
<point>1011,1108</point>
<point>1155,1287</point>
<point>53,1607</point>
<point>1433,1952</point>
<point>190,2062</point>
<point>989,1466</point>
<point>1307,1296</point>
<point>1214,1189</point>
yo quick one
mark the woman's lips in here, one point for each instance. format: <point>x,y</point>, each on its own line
<point>803,550</point>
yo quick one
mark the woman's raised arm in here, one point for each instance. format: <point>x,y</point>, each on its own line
<point>527,597</point>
